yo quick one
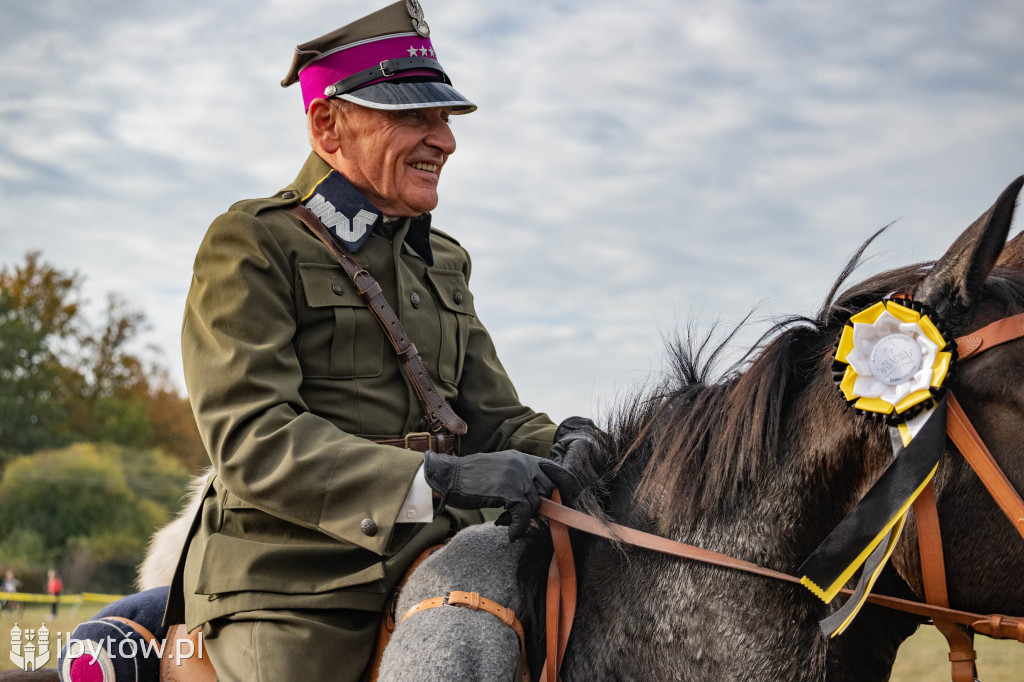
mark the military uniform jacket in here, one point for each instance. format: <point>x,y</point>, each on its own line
<point>291,378</point>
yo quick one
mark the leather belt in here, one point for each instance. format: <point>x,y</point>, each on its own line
<point>386,69</point>
<point>421,441</point>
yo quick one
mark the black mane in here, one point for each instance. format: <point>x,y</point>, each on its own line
<point>705,440</point>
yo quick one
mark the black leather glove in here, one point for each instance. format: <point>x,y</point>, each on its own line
<point>574,438</point>
<point>574,447</point>
<point>509,479</point>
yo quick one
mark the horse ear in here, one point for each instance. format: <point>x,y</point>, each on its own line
<point>958,276</point>
<point>1012,257</point>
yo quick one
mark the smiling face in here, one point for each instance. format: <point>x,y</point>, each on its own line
<point>393,157</point>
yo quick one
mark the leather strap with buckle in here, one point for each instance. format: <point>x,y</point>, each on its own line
<point>421,441</point>
<point>386,69</point>
<point>474,602</point>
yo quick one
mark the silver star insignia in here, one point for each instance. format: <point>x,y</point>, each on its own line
<point>412,51</point>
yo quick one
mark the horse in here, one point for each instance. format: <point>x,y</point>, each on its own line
<point>761,464</point>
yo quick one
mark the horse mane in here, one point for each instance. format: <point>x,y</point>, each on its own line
<point>705,440</point>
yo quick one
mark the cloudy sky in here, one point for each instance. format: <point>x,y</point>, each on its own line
<point>633,164</point>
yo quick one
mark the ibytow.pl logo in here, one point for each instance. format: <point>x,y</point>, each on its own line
<point>30,649</point>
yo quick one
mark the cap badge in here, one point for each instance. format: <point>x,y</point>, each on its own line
<point>416,13</point>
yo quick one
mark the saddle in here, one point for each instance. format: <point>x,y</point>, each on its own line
<point>193,669</point>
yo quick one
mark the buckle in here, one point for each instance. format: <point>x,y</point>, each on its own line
<point>418,435</point>
<point>359,287</point>
<point>384,66</point>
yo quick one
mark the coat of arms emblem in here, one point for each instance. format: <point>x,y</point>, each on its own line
<point>30,649</point>
<point>418,22</point>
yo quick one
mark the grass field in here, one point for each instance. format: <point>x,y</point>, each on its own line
<point>922,658</point>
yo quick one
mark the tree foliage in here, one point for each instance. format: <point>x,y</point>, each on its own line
<point>86,508</point>
<point>63,379</point>
<point>37,310</point>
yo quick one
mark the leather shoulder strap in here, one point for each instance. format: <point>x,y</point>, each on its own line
<point>434,406</point>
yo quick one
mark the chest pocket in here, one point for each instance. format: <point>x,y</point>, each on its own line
<point>455,306</point>
<point>338,336</point>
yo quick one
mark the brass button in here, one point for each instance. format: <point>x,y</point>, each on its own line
<point>458,297</point>
<point>287,195</point>
<point>368,527</point>
<point>337,288</point>
<point>414,298</point>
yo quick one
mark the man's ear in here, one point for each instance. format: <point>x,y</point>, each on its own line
<point>323,126</point>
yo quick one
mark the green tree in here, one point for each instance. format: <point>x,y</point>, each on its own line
<point>38,313</point>
<point>174,426</point>
<point>63,379</point>
<point>32,415</point>
<point>64,493</point>
<point>89,508</point>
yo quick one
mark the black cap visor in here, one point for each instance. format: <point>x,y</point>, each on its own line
<point>410,94</point>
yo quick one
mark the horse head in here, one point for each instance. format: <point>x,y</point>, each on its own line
<point>978,281</point>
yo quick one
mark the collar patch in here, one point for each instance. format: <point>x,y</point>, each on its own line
<point>343,210</point>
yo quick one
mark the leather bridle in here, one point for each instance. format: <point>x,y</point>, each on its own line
<point>954,624</point>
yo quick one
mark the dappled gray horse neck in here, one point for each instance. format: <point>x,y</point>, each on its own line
<point>455,643</point>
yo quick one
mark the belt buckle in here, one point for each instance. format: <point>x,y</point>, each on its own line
<point>417,435</point>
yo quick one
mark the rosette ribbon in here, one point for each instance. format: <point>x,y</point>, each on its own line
<point>891,364</point>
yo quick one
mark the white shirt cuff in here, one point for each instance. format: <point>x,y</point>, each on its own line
<point>419,503</point>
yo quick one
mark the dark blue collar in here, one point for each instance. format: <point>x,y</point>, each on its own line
<point>351,218</point>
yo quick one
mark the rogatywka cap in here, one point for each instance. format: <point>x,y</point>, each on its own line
<point>383,61</point>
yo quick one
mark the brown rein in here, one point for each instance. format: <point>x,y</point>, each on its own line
<point>1000,627</point>
<point>561,591</point>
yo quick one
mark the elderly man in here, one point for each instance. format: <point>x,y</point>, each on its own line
<point>323,493</point>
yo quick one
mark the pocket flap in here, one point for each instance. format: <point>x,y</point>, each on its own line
<point>328,286</point>
<point>232,564</point>
<point>452,290</point>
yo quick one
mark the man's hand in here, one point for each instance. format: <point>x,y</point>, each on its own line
<point>575,437</point>
<point>509,479</point>
<point>575,446</point>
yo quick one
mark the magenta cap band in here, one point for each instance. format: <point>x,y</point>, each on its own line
<point>329,69</point>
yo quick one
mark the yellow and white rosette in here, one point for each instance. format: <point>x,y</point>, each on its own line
<point>892,363</point>
<point>895,361</point>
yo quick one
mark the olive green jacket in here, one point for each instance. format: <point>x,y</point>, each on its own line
<point>290,377</point>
